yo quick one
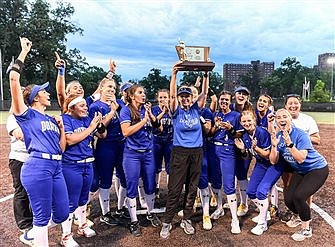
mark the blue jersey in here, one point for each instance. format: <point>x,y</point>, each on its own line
<point>187,130</point>
<point>114,132</point>
<point>41,132</point>
<point>224,136</point>
<point>263,139</point>
<point>302,141</point>
<point>120,102</point>
<point>166,122</point>
<point>142,139</point>
<point>262,121</point>
<point>82,149</point>
<point>208,116</point>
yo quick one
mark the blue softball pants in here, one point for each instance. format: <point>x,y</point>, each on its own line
<point>242,167</point>
<point>45,185</point>
<point>203,180</point>
<point>214,169</point>
<point>162,149</point>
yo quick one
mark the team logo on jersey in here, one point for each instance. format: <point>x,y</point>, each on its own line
<point>188,121</point>
<point>48,125</point>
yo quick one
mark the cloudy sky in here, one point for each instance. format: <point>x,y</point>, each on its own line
<point>141,35</point>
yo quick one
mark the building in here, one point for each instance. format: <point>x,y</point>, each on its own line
<point>323,62</point>
<point>232,72</point>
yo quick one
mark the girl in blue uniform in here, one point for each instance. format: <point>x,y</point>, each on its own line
<point>224,130</point>
<point>109,151</point>
<point>78,163</point>
<point>44,136</point>
<point>310,169</point>
<point>163,135</point>
<point>137,122</point>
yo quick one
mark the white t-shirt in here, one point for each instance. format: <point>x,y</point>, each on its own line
<point>306,123</point>
<point>18,149</point>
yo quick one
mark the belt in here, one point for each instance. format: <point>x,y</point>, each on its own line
<point>220,144</point>
<point>46,156</point>
<point>87,160</point>
<point>139,150</point>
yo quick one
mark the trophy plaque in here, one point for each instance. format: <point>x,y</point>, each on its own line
<point>194,58</point>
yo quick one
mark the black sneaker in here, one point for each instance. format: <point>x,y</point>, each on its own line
<point>123,213</point>
<point>155,221</point>
<point>109,219</point>
<point>285,216</point>
<point>134,228</point>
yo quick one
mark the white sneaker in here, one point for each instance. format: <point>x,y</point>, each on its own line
<point>217,213</point>
<point>259,229</point>
<point>302,234</point>
<point>25,239</point>
<point>206,222</point>
<point>235,227</point>
<point>181,213</point>
<point>68,241</point>
<point>165,231</point>
<point>226,205</point>
<point>86,231</point>
<point>255,219</point>
<point>294,221</point>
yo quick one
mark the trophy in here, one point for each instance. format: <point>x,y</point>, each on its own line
<point>194,58</point>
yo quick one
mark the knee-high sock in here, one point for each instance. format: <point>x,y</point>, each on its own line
<point>90,196</point>
<point>158,179</point>
<point>274,195</point>
<point>141,193</point>
<point>263,210</point>
<point>104,200</point>
<point>117,186</point>
<point>122,197</point>
<point>81,215</point>
<point>131,204</point>
<point>167,178</point>
<point>232,202</point>
<point>66,225</point>
<point>204,193</point>
<point>150,200</point>
<point>243,191</point>
<point>218,194</point>
<point>40,235</point>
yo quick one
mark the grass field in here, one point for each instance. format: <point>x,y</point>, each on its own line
<point>320,117</point>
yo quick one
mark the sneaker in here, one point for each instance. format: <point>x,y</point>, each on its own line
<point>123,213</point>
<point>155,221</point>
<point>294,221</point>
<point>213,202</point>
<point>109,219</point>
<point>255,219</point>
<point>302,234</point>
<point>217,214</point>
<point>273,211</point>
<point>68,241</point>
<point>135,229</point>
<point>157,193</point>
<point>285,216</point>
<point>88,222</point>
<point>181,213</point>
<point>165,231</point>
<point>25,239</point>
<point>206,222</point>
<point>86,231</point>
<point>187,226</point>
<point>235,227</point>
<point>226,205</point>
<point>259,229</point>
<point>242,210</point>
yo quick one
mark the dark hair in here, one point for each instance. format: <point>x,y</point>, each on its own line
<point>225,92</point>
<point>135,115</point>
<point>297,96</point>
<point>26,93</point>
<point>267,96</point>
<point>162,90</point>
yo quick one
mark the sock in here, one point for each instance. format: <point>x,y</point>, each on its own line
<point>66,225</point>
<point>117,186</point>
<point>158,179</point>
<point>40,235</point>
<point>81,215</point>
<point>141,193</point>
<point>218,194</point>
<point>90,196</point>
<point>150,200</point>
<point>167,178</point>
<point>104,200</point>
<point>232,202</point>
<point>204,193</point>
<point>131,203</point>
<point>243,191</point>
<point>274,196</point>
<point>263,210</point>
<point>122,197</point>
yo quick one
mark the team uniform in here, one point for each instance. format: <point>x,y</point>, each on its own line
<point>44,167</point>
<point>262,121</point>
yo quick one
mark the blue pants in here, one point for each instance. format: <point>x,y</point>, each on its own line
<point>214,169</point>
<point>107,156</point>
<point>203,181</point>
<point>78,178</point>
<point>45,185</point>
<point>262,179</point>
<point>226,155</point>
<point>162,149</point>
<point>242,167</point>
<point>136,164</point>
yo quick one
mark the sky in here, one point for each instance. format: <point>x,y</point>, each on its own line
<point>142,34</point>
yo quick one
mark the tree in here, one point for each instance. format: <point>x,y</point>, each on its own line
<point>153,82</point>
<point>319,93</point>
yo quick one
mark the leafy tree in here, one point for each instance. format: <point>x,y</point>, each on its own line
<point>319,93</point>
<point>153,82</point>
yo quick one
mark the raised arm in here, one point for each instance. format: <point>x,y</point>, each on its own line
<point>173,88</point>
<point>18,104</point>
<point>60,81</point>
<point>203,96</point>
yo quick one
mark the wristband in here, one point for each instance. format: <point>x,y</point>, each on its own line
<point>17,66</point>
<point>210,92</point>
<point>291,145</point>
<point>61,70</point>
<point>232,131</point>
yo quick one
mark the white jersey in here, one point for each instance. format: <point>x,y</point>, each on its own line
<point>18,150</point>
<point>306,123</point>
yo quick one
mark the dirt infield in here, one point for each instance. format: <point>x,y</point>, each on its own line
<point>277,235</point>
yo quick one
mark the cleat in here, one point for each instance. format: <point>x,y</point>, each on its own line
<point>285,216</point>
<point>134,228</point>
<point>217,214</point>
<point>302,234</point>
<point>273,211</point>
<point>235,227</point>
<point>109,219</point>
<point>187,226</point>
<point>68,241</point>
<point>259,229</point>
<point>155,221</point>
<point>165,231</point>
<point>242,210</point>
<point>213,202</point>
<point>226,205</point>
<point>123,213</point>
<point>206,222</point>
<point>86,231</point>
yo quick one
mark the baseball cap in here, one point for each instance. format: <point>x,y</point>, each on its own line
<point>184,90</point>
<point>35,90</point>
<point>241,89</point>
<point>125,86</point>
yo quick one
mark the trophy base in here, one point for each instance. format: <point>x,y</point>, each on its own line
<point>196,66</point>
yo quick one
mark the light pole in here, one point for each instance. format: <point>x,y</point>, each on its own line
<point>332,61</point>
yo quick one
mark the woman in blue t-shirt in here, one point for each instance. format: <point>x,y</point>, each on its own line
<point>310,169</point>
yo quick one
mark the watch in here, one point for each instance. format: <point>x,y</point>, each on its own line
<point>290,145</point>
